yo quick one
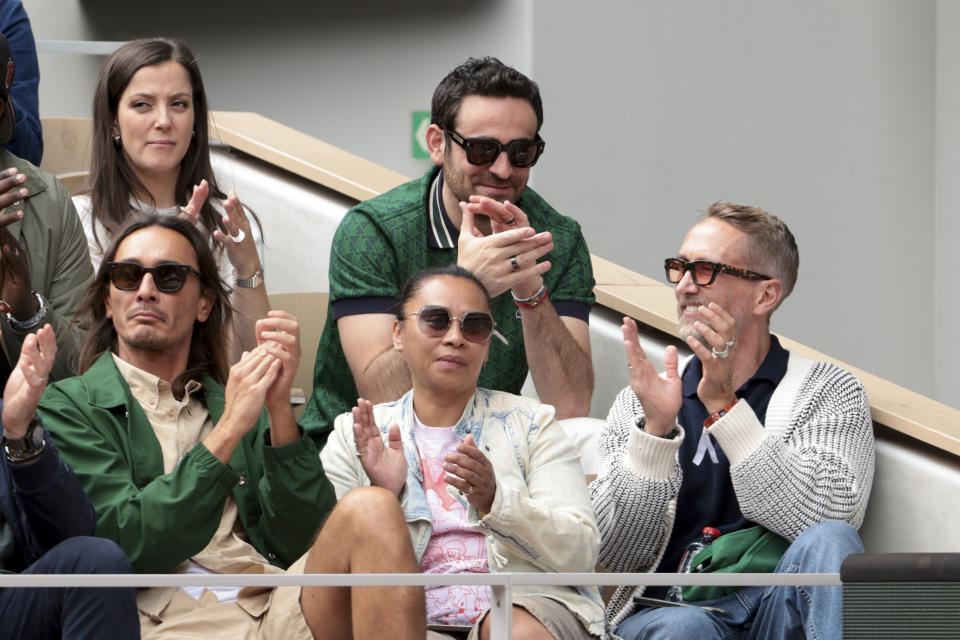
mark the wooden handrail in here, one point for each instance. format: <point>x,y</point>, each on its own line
<point>618,288</point>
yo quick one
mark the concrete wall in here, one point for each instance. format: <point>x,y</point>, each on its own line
<point>838,117</point>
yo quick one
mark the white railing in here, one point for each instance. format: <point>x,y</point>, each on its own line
<point>501,584</point>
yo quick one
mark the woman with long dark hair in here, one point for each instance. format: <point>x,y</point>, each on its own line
<point>151,153</point>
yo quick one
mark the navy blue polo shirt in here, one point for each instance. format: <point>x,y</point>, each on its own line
<point>707,498</point>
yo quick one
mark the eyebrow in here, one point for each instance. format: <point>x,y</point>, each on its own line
<point>144,94</point>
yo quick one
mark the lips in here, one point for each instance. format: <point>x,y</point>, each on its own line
<point>146,314</point>
<point>452,361</point>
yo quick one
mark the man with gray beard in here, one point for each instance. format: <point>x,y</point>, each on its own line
<point>772,449</point>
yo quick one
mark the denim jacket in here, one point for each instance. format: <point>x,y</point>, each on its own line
<point>541,519</point>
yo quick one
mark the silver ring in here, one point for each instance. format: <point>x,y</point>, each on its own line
<point>720,355</point>
<point>514,263</point>
<point>511,220</point>
<point>731,342</point>
<point>239,237</point>
<point>629,367</point>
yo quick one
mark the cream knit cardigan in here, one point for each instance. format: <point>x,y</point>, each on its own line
<point>811,462</point>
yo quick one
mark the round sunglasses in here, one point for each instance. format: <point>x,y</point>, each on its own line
<point>167,276</point>
<point>434,322</point>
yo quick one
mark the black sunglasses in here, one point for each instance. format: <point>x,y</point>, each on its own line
<point>704,272</point>
<point>167,276</point>
<point>434,322</point>
<point>483,152</point>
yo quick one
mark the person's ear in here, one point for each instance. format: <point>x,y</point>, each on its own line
<point>768,296</point>
<point>204,306</point>
<point>397,337</point>
<point>436,143</point>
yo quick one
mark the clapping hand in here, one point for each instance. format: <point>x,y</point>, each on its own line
<point>385,465</point>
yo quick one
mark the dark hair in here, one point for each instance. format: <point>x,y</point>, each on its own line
<point>112,180</point>
<point>420,278</point>
<point>208,345</point>
<point>481,77</point>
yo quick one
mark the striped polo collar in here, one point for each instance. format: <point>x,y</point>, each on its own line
<point>441,234</point>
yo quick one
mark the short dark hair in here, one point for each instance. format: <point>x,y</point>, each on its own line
<point>208,345</point>
<point>420,278</point>
<point>481,77</point>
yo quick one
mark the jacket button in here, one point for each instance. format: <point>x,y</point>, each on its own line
<point>272,555</point>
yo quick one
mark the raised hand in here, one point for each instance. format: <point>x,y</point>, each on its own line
<point>192,211</point>
<point>385,465</point>
<point>716,388</point>
<point>504,216</point>
<point>279,335</point>
<point>16,290</point>
<point>27,381</point>
<point>247,387</point>
<point>489,257</point>
<point>661,396</point>
<point>469,471</point>
<point>238,239</point>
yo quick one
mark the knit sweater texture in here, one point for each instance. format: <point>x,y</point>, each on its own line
<point>812,461</point>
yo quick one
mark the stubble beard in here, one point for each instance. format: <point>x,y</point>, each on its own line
<point>462,185</point>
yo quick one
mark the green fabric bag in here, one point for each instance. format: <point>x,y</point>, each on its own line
<point>753,550</point>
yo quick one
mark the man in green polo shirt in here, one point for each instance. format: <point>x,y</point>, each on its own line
<point>473,209</point>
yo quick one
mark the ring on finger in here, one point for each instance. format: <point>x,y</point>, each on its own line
<point>731,342</point>
<point>241,235</point>
<point>514,263</point>
<point>720,355</point>
<point>469,492</point>
<point>511,220</point>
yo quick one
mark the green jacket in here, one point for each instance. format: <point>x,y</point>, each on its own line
<point>56,247</point>
<point>160,519</point>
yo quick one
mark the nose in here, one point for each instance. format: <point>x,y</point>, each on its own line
<point>686,284</point>
<point>163,118</point>
<point>148,288</point>
<point>501,167</point>
<point>454,334</point>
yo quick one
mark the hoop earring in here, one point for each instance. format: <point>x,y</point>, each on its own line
<point>116,140</point>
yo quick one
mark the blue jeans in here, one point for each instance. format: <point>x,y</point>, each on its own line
<point>766,613</point>
<point>73,613</point>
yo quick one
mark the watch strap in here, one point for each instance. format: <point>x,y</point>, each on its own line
<point>29,446</point>
<point>252,282</point>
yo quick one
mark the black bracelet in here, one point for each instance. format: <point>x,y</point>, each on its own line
<point>641,422</point>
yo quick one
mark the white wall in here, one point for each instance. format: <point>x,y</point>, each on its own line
<point>946,296</point>
<point>820,112</point>
<point>837,116</point>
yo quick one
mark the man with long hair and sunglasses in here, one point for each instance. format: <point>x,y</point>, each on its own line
<point>472,208</point>
<point>196,468</point>
<point>771,448</point>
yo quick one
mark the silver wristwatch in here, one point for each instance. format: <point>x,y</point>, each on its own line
<point>252,282</point>
<point>31,323</point>
<point>28,447</point>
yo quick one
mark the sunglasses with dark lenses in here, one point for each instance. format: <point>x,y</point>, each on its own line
<point>475,326</point>
<point>483,152</point>
<point>704,272</point>
<point>167,276</point>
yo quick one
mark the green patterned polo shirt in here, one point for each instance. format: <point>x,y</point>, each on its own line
<point>383,241</point>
